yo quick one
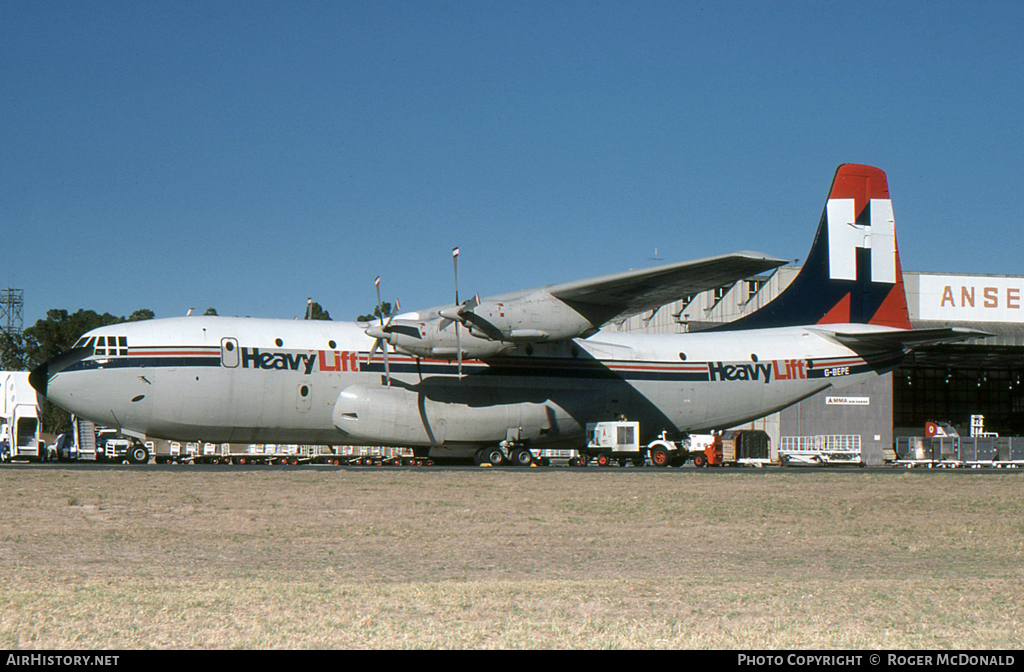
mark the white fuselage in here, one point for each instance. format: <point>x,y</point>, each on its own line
<point>246,380</point>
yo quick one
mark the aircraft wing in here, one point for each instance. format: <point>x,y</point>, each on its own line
<point>907,339</point>
<point>619,295</point>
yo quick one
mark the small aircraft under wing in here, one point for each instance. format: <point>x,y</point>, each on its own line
<point>532,368</point>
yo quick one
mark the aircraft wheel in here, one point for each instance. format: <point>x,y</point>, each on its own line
<point>659,457</point>
<point>521,457</point>
<point>494,456</point>
<point>138,455</point>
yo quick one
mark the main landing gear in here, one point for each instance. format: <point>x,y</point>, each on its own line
<point>517,456</point>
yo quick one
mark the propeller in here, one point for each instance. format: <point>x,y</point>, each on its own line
<point>458,333</point>
<point>380,336</point>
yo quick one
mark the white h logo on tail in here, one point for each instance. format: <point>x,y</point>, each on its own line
<point>845,236</point>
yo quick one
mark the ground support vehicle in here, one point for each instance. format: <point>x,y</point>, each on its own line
<point>948,450</point>
<point>704,449</point>
<point>87,442</point>
<point>544,457</point>
<point>618,442</point>
<point>733,448</point>
<point>175,453</point>
<point>19,419</point>
<point>821,450</point>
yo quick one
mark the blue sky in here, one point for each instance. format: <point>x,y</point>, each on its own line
<point>246,155</point>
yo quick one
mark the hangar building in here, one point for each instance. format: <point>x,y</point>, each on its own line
<point>948,382</point>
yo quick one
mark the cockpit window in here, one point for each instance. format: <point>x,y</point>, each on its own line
<point>109,346</point>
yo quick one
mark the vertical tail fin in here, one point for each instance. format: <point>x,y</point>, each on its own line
<point>852,273</point>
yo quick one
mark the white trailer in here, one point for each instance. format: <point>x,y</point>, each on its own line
<point>821,450</point>
<point>619,441</point>
<point>20,416</point>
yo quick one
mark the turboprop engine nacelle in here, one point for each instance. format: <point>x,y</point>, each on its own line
<point>432,339</point>
<point>534,318</point>
<point>488,328</point>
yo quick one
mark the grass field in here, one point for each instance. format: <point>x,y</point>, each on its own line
<point>191,557</point>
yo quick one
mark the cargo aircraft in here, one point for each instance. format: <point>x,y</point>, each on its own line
<point>492,377</point>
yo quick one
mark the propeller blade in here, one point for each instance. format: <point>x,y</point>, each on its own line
<point>455,263</point>
<point>379,342</point>
<point>384,347</point>
<point>458,345</point>
<point>380,310</point>
<point>458,332</point>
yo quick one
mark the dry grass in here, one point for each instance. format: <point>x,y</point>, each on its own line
<point>555,558</point>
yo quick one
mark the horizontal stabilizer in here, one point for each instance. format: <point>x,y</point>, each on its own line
<point>907,339</point>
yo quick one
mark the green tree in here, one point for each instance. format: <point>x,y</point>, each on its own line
<point>59,331</point>
<point>12,352</point>
<point>384,308</point>
<point>315,311</point>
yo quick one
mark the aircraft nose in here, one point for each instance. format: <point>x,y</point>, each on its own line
<point>40,376</point>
